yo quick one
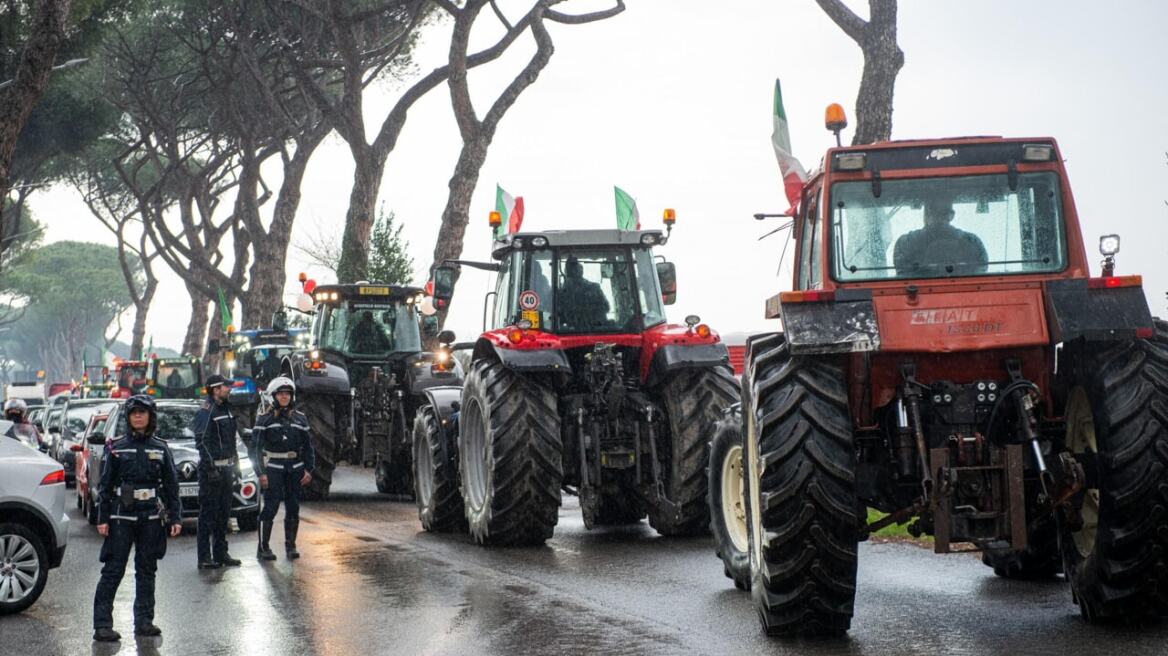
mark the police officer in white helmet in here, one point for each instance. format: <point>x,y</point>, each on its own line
<point>282,447</point>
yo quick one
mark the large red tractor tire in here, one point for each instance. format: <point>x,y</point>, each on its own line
<point>729,511</point>
<point>436,485</point>
<point>1115,542</point>
<point>322,421</point>
<point>694,400</point>
<point>803,509</point>
<point>510,456</point>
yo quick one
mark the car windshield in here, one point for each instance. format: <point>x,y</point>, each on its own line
<point>370,329</point>
<point>176,422</point>
<point>177,375</point>
<point>944,227</point>
<point>77,417</point>
<point>263,362</point>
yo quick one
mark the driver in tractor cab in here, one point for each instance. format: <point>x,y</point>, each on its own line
<point>367,337</point>
<point>582,304</point>
<point>175,379</point>
<point>939,246</point>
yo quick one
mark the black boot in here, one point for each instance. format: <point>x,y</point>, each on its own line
<point>106,635</point>
<point>290,529</point>
<point>147,629</point>
<point>264,552</point>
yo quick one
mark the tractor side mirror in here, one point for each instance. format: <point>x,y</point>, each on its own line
<point>667,274</point>
<point>213,346</point>
<point>96,437</point>
<point>443,285</point>
<point>446,337</point>
<point>430,325</point>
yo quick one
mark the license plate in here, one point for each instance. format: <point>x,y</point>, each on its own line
<point>188,491</point>
<point>373,291</point>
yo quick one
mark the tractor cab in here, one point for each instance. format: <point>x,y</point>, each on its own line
<point>130,378</point>
<point>368,323</point>
<point>176,378</point>
<point>560,293</point>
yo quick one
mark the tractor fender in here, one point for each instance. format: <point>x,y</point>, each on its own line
<point>846,324</point>
<point>333,379</point>
<point>670,358</point>
<point>1075,311</point>
<point>445,401</point>
<point>420,374</point>
<point>524,357</point>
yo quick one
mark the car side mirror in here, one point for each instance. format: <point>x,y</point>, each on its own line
<point>667,275</point>
<point>96,437</point>
<point>430,325</point>
<point>76,448</point>
<point>444,277</point>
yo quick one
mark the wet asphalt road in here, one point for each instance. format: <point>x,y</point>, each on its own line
<point>370,582</point>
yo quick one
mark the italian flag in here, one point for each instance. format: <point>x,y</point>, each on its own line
<point>510,208</point>
<point>627,215</point>
<point>792,171</point>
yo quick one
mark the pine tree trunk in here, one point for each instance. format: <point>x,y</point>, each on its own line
<point>883,60</point>
<point>359,218</point>
<point>197,330</point>
<point>141,310</point>
<point>456,215</point>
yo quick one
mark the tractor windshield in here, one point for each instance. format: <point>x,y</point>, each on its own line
<point>946,227</point>
<point>178,377</point>
<point>372,330</point>
<point>133,378</point>
<point>263,362</point>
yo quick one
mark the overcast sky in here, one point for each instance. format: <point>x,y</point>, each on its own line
<point>671,100</point>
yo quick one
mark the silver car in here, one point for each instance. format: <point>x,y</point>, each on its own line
<point>33,526</point>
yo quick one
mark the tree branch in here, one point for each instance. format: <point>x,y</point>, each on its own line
<point>845,18</point>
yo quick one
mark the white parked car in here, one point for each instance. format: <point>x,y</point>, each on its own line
<point>33,526</point>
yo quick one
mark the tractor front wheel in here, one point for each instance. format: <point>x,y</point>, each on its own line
<point>727,499</point>
<point>510,456</point>
<point>322,420</point>
<point>436,488</point>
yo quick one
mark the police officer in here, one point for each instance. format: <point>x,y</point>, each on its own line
<point>137,497</point>
<point>282,445</point>
<point>215,440</point>
<point>16,411</point>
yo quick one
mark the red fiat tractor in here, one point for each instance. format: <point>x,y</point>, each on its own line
<point>580,386</point>
<point>947,358</point>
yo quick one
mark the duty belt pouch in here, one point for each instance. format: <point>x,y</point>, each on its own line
<point>156,537</point>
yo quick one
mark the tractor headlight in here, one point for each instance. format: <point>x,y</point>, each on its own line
<point>1109,245</point>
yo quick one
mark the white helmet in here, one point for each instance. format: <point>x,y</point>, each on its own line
<point>281,383</point>
<point>15,405</point>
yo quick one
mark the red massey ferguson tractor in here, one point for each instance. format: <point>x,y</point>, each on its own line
<point>580,386</point>
<point>947,359</point>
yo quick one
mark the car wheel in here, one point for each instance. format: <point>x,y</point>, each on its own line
<point>24,567</point>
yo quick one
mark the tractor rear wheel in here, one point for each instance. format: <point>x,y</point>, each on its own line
<point>322,420</point>
<point>1115,541</point>
<point>804,518</point>
<point>727,498</point>
<point>694,400</point>
<point>436,485</point>
<point>510,456</point>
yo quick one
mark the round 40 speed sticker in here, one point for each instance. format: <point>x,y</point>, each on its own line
<point>528,300</point>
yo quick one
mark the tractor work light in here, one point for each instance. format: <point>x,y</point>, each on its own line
<point>849,161</point>
<point>523,324</point>
<point>1037,152</point>
<point>692,320</point>
<point>517,242</point>
<point>539,242</point>
<point>1109,245</point>
<point>649,240</point>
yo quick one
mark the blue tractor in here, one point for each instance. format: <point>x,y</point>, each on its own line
<point>253,359</point>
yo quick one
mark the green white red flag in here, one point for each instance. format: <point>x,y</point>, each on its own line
<point>627,215</point>
<point>791,170</point>
<point>510,209</point>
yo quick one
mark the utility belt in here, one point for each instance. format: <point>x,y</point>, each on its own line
<point>284,457</point>
<point>225,462</point>
<point>131,495</point>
